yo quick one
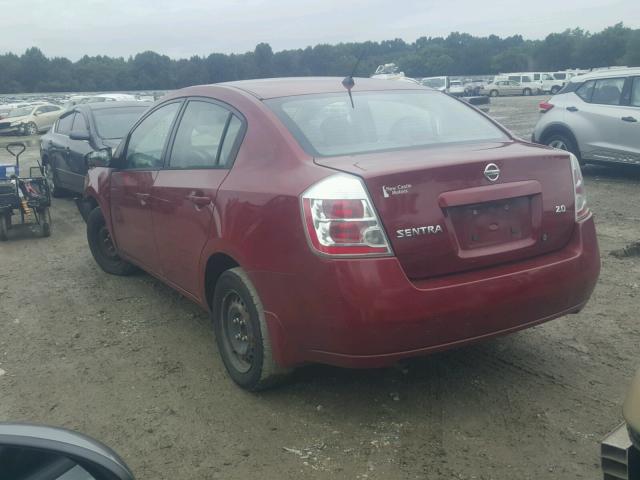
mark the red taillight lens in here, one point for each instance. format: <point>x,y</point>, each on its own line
<point>545,106</point>
<point>343,208</point>
<point>341,220</point>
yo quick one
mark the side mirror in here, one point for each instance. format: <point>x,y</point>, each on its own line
<point>98,158</point>
<point>34,451</point>
<point>80,135</point>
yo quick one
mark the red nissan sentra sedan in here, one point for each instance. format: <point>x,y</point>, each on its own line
<point>317,230</point>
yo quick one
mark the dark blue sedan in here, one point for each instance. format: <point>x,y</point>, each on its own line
<point>82,129</point>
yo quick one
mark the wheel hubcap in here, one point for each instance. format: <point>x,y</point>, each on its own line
<point>105,243</point>
<point>237,332</point>
<point>559,144</point>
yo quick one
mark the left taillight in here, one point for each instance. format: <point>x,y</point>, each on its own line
<point>580,195</point>
<point>340,218</point>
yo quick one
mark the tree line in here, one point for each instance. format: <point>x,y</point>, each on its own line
<point>456,54</point>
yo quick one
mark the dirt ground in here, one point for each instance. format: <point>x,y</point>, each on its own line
<point>132,363</point>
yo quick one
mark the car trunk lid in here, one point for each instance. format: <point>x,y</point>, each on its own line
<point>443,215</point>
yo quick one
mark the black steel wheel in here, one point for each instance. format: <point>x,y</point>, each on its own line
<point>241,333</point>
<point>102,248</point>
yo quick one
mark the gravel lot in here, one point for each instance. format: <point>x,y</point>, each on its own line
<point>131,362</point>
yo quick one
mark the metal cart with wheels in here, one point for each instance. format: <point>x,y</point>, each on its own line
<point>30,196</point>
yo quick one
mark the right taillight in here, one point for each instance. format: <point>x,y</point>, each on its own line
<point>580,195</point>
<point>340,218</point>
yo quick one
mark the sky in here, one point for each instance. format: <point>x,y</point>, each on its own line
<point>182,28</point>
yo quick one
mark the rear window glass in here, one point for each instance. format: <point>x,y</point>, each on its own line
<point>115,123</point>
<point>327,125</point>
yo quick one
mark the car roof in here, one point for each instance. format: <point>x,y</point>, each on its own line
<point>107,105</point>
<point>606,73</point>
<point>289,86</point>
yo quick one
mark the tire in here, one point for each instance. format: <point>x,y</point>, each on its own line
<point>4,227</point>
<point>526,92</point>
<point>52,179</point>
<point>494,93</point>
<point>555,89</point>
<point>241,333</point>
<point>45,222</point>
<point>562,141</point>
<point>102,248</point>
<point>31,129</point>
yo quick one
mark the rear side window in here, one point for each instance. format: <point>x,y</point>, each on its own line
<point>200,136</point>
<point>608,91</point>
<point>584,91</point>
<point>635,92</point>
<point>148,140</point>
<point>327,125</point>
<point>231,139</point>
<point>64,124</point>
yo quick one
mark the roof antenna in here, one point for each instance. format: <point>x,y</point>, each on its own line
<point>348,82</point>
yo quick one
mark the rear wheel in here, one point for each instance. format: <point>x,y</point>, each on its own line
<point>52,179</point>
<point>494,93</point>
<point>45,221</point>
<point>526,92</point>
<point>5,220</point>
<point>241,332</point>
<point>562,141</point>
<point>102,247</point>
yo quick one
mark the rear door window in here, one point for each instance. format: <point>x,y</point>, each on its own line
<point>65,123</point>
<point>608,91</point>
<point>205,137</point>
<point>147,142</point>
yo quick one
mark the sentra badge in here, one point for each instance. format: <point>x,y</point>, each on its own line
<point>418,231</point>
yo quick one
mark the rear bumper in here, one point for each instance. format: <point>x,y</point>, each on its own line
<point>367,313</point>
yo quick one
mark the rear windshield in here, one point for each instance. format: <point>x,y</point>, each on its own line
<point>115,123</point>
<point>327,125</point>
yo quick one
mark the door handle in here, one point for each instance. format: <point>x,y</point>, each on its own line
<point>572,109</point>
<point>199,200</point>
<point>629,119</point>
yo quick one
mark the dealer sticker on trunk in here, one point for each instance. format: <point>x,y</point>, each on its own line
<point>395,190</point>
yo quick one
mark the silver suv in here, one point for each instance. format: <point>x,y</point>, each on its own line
<point>595,116</point>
